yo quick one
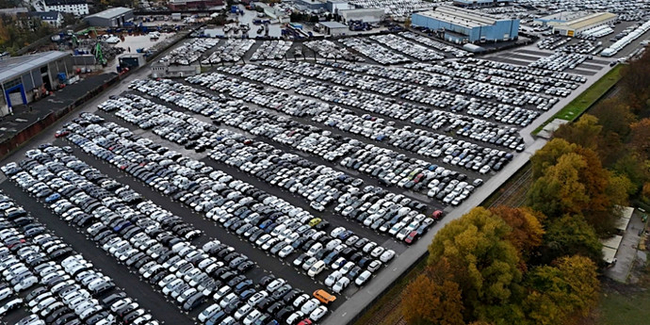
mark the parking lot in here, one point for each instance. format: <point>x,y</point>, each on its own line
<point>272,190</point>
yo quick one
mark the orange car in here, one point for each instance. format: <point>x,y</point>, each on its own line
<point>324,297</point>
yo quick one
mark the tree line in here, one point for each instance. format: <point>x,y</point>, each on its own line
<point>539,264</point>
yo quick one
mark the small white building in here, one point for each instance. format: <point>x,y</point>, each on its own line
<point>333,28</point>
<point>75,7</point>
<point>53,18</point>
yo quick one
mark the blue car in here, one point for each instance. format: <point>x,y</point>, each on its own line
<point>53,197</point>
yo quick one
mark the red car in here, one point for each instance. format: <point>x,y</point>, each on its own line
<point>61,133</point>
<point>411,238</point>
<point>437,215</point>
<point>305,321</point>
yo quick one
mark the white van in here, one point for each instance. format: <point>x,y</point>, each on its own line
<point>316,269</point>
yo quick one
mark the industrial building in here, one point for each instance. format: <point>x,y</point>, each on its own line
<point>367,15</point>
<point>26,78</point>
<point>558,17</point>
<point>465,26</point>
<point>333,28</point>
<point>481,3</point>
<point>113,17</point>
<point>333,6</point>
<point>194,4</point>
<point>313,5</point>
<point>576,26</point>
<point>75,7</point>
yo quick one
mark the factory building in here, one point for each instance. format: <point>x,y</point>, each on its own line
<point>194,4</point>
<point>113,17</point>
<point>75,7</point>
<point>313,5</point>
<point>367,15</point>
<point>333,28</point>
<point>576,26</point>
<point>25,78</point>
<point>481,3</point>
<point>333,6</point>
<point>465,26</point>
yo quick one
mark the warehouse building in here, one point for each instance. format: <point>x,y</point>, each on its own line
<point>558,17</point>
<point>367,15</point>
<point>576,26</point>
<point>481,3</point>
<point>75,7</point>
<point>113,17</point>
<point>25,78</point>
<point>465,26</point>
<point>333,6</point>
<point>333,28</point>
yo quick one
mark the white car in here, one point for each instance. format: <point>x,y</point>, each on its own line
<point>309,306</point>
<point>208,312</point>
<point>332,278</point>
<point>340,285</point>
<point>363,278</point>
<point>387,256</point>
<point>315,269</point>
<point>318,313</point>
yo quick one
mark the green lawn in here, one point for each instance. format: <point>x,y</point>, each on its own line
<point>587,98</point>
<point>617,308</point>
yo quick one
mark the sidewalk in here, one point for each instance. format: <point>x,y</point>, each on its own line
<point>628,252</point>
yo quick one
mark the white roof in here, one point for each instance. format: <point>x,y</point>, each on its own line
<point>626,214</point>
<point>111,13</point>
<point>609,255</point>
<point>16,66</point>
<point>613,242</point>
<point>461,17</point>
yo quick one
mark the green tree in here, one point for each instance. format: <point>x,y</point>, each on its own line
<point>570,235</point>
<point>560,190</point>
<point>485,263</point>
<point>548,155</point>
<point>585,132</point>
<point>563,293</point>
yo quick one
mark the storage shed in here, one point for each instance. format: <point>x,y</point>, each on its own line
<point>333,28</point>
<point>25,77</point>
<point>113,17</point>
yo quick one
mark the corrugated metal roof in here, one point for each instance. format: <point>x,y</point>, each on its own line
<point>586,21</point>
<point>110,13</point>
<point>332,24</point>
<point>16,66</point>
<point>460,17</point>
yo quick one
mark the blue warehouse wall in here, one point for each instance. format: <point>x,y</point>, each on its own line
<point>487,33</point>
<point>420,20</point>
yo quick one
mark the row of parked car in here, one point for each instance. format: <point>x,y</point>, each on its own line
<point>440,46</point>
<point>449,99</point>
<point>232,50</point>
<point>516,81</point>
<point>127,108</point>
<point>301,137</point>
<point>271,50</point>
<point>407,47</point>
<point>473,128</point>
<point>330,51</point>
<point>560,61</point>
<point>371,50</point>
<point>189,52</point>
<point>60,286</point>
<point>309,139</point>
<point>181,271</point>
<point>276,240</point>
